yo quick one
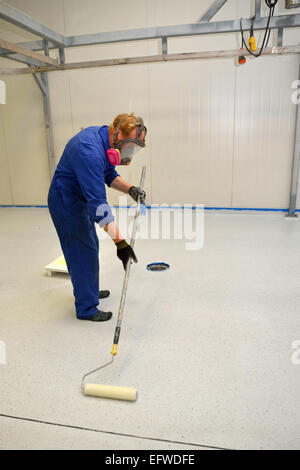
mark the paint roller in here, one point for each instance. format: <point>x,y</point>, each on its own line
<point>108,391</point>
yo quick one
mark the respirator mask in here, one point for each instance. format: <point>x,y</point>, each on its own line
<point>124,150</point>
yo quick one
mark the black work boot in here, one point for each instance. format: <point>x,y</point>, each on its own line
<point>99,316</point>
<point>103,294</point>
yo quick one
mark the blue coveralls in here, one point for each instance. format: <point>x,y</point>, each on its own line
<point>76,200</point>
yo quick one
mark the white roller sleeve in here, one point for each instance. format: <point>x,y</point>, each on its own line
<point>108,391</point>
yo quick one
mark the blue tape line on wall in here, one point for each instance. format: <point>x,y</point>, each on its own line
<point>181,207</point>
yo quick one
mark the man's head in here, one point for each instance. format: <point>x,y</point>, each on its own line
<point>126,136</point>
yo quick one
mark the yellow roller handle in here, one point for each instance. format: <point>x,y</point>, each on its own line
<point>114,350</point>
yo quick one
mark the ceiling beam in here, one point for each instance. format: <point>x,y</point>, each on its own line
<point>26,52</point>
<point>24,60</point>
<point>273,51</point>
<point>18,18</point>
<point>231,26</point>
<point>212,11</point>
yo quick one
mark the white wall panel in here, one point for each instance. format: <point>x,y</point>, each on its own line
<point>172,12</point>
<point>24,130</point>
<point>94,16</point>
<point>264,132</point>
<point>61,110</point>
<point>291,36</point>
<point>192,132</point>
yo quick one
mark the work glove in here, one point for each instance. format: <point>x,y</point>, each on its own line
<point>137,193</point>
<point>125,253</point>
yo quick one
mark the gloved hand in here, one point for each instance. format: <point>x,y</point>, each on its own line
<point>125,253</point>
<point>137,193</point>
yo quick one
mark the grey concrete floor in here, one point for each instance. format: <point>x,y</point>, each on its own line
<point>208,344</point>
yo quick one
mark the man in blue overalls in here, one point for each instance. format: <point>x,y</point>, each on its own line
<point>77,199</point>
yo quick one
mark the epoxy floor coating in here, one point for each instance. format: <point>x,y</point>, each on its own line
<point>208,343</point>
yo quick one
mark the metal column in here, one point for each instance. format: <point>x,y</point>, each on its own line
<point>164,45</point>
<point>296,164</point>
<point>44,87</point>
<point>257,8</point>
<point>280,37</point>
<point>48,124</point>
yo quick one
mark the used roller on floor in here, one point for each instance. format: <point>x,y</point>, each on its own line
<point>109,391</point>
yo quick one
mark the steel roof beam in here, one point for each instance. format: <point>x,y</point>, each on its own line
<point>232,26</point>
<point>18,18</point>
<point>26,52</point>
<point>24,60</point>
<point>212,11</point>
<point>275,51</point>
